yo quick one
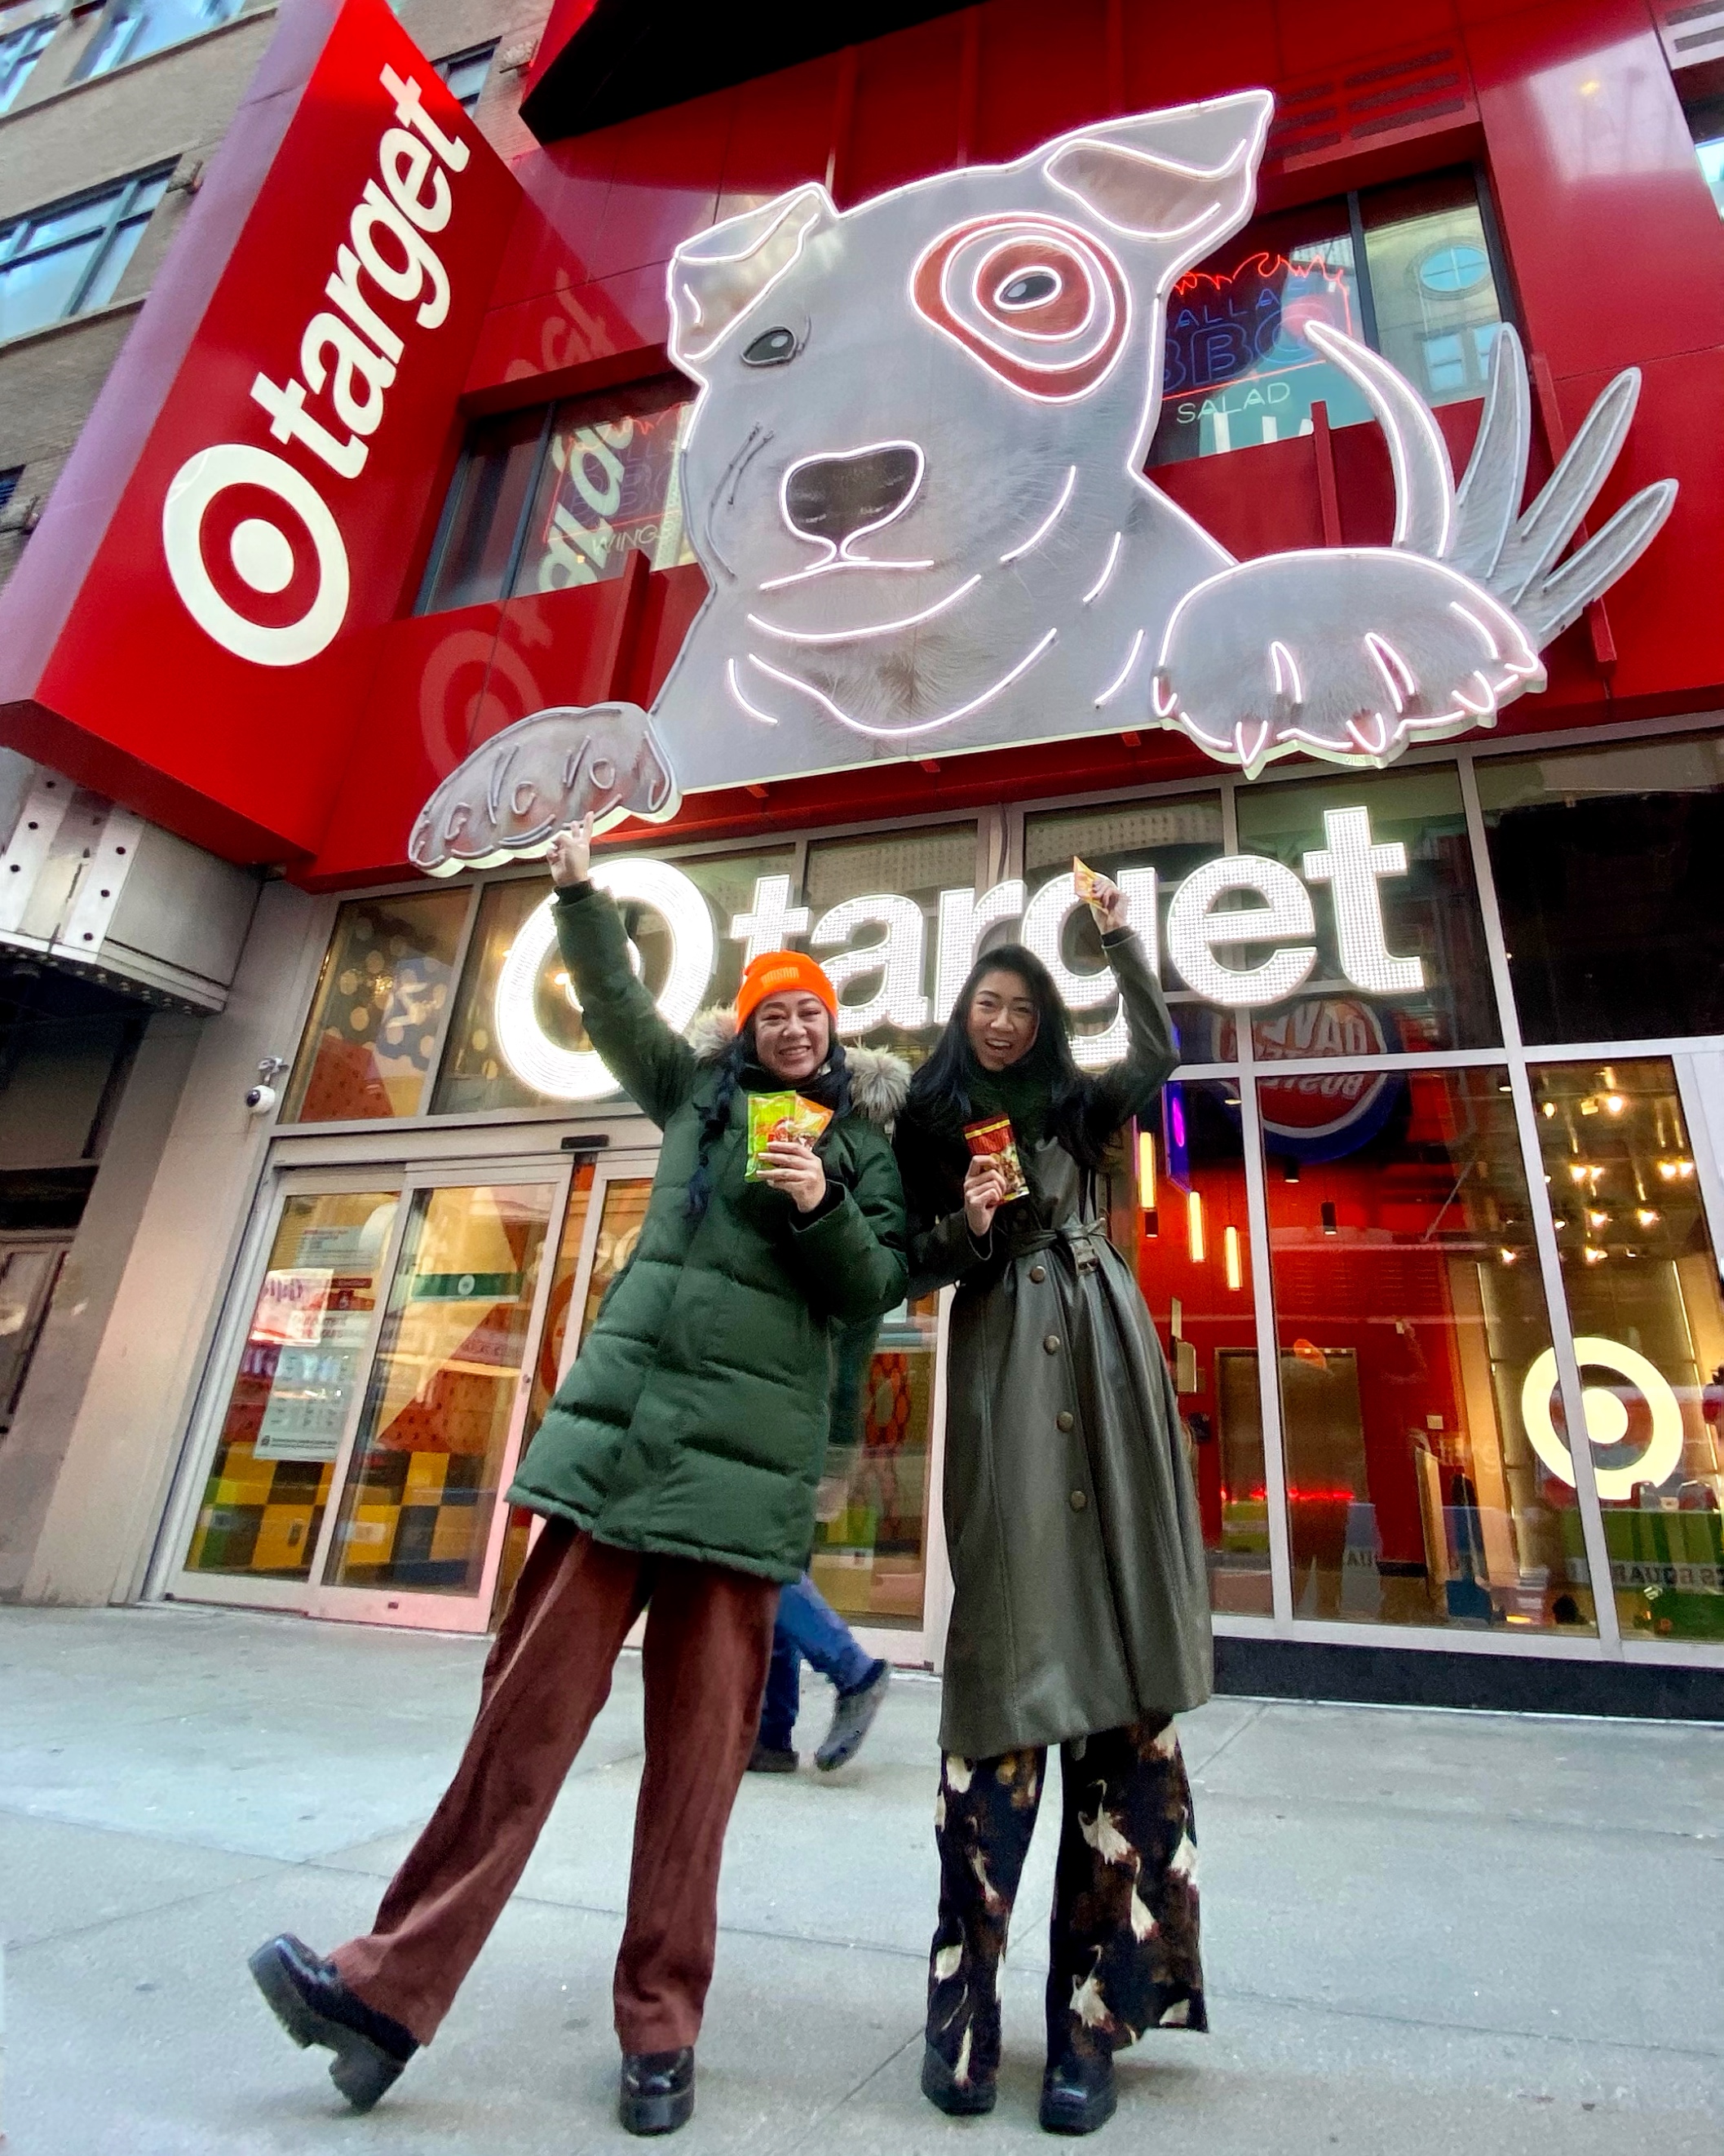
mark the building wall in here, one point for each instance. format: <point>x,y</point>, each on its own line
<point>61,137</point>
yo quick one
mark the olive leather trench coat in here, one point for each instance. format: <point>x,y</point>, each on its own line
<point>1080,1595</point>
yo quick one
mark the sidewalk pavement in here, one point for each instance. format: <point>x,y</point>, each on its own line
<point>1459,1935</point>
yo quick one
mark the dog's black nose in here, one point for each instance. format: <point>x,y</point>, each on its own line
<point>833,498</point>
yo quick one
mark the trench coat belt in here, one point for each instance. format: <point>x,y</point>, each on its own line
<point>1083,1238</point>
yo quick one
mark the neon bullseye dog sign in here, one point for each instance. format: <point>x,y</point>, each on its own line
<point>913,477</point>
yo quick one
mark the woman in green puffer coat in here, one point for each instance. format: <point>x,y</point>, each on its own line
<point>675,1473</point>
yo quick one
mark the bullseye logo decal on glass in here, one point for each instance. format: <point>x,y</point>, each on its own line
<point>256,555</point>
<point>1044,305</point>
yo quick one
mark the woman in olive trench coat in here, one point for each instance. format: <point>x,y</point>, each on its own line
<point>1080,1611</point>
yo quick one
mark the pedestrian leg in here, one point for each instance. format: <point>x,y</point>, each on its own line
<point>1124,1951</point>
<point>773,1747</point>
<point>547,1677</point>
<point>708,1637</point>
<point>983,1818</point>
<point>821,1635</point>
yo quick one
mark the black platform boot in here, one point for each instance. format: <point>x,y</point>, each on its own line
<point>658,2090</point>
<point>310,2000</point>
<point>1078,2092</point>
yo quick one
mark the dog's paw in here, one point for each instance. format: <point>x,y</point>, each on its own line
<point>537,776</point>
<point>1349,653</point>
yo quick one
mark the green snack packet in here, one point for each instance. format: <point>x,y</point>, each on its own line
<point>772,1116</point>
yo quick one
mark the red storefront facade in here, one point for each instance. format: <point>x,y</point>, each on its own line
<point>1406,1209</point>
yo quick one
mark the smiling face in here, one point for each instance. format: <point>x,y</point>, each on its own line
<point>1002,1021</point>
<point>793,1036</point>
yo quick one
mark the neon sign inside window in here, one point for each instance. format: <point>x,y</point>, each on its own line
<point>1222,326</point>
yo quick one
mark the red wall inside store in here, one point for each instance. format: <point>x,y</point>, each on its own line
<point>1616,253</point>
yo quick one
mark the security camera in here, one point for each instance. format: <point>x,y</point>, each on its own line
<point>260,1099</point>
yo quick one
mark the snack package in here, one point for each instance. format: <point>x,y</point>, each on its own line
<point>772,1116</point>
<point>1086,883</point>
<point>992,1140</point>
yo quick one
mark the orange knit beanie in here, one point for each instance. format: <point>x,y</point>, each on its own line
<point>781,972</point>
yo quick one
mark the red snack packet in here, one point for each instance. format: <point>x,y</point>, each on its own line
<point>992,1140</point>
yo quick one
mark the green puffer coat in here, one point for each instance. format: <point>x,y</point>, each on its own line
<point>694,1421</point>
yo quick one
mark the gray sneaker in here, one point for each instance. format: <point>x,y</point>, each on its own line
<point>851,1718</point>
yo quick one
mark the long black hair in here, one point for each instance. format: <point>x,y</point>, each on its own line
<point>830,1085</point>
<point>940,1091</point>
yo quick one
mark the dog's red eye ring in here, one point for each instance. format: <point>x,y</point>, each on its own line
<point>1041,303</point>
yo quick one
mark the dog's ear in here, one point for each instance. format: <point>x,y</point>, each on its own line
<point>1185,178</point>
<point>718,275</point>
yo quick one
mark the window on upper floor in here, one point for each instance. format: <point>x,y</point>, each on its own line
<point>465,72</point>
<point>1409,269</point>
<point>19,51</point>
<point>562,494</point>
<point>67,257</point>
<point>9,483</point>
<point>1706,123</point>
<point>132,28</point>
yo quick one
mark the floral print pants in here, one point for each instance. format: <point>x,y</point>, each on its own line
<point>1124,1949</point>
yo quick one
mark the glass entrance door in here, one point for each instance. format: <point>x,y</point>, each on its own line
<point>375,1399</point>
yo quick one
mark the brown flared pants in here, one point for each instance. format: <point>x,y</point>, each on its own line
<point>708,1640</point>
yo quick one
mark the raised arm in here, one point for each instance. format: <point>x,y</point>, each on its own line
<point>1129,1087</point>
<point>654,1066</point>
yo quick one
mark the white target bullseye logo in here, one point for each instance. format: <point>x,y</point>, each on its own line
<point>260,553</point>
<point>575,1074</point>
<point>1606,1420</point>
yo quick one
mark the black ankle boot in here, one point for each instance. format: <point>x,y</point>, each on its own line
<point>959,2099</point>
<point>310,2000</point>
<point>658,2090</point>
<point>1077,2094</point>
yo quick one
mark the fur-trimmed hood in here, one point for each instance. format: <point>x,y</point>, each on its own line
<point>880,1082</point>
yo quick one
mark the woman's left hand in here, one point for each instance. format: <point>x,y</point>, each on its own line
<point>793,1166</point>
<point>1109,905</point>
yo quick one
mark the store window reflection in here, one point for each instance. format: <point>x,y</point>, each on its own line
<point>870,1543</point>
<point>553,1336</point>
<point>299,1371</point>
<point>1641,1276</point>
<point>429,1454</point>
<point>1606,867</point>
<point>377,1016</point>
<point>1409,1311</point>
<point>1401,961</point>
<point>1407,268</point>
<point>1194,1267</point>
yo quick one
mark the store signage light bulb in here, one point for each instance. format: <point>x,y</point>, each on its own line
<point>879,942</point>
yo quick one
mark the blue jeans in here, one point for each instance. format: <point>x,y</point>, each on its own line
<point>807,1628</point>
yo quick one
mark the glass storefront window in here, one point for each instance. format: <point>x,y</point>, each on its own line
<point>1606,866</point>
<point>1171,837</point>
<point>369,1043</point>
<point>552,496</point>
<point>552,1334</point>
<point>1237,368</point>
<point>875,908</point>
<point>1705,125</point>
<point>1194,1265</point>
<point>263,1503</point>
<point>1641,1278</point>
<point>1432,289</point>
<point>1409,1313</point>
<point>1401,960</point>
<point>514,1030</point>
<point>607,487</point>
<point>1237,371</point>
<point>428,1460</point>
<point>870,1543</point>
